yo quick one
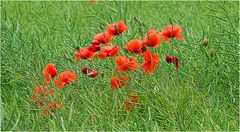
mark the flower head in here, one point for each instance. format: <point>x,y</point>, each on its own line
<point>150,62</point>
<point>103,37</point>
<point>152,38</point>
<point>108,51</point>
<point>171,31</point>
<point>49,71</point>
<point>84,53</point>
<point>116,28</point>
<point>125,63</point>
<point>134,46</point>
<point>64,78</point>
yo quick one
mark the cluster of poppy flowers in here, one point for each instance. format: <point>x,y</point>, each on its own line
<point>102,48</point>
<point>42,94</point>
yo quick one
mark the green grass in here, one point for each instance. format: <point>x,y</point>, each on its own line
<point>203,95</point>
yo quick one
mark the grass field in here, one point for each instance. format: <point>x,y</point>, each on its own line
<point>202,95</point>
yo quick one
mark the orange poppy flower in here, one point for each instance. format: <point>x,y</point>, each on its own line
<point>125,63</point>
<point>118,81</point>
<point>171,31</point>
<point>116,28</point>
<point>84,53</point>
<point>134,46</point>
<point>103,37</point>
<point>152,38</point>
<point>108,51</point>
<point>150,62</point>
<point>49,71</point>
<point>64,78</point>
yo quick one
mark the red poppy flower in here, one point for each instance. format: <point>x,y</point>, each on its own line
<point>116,28</point>
<point>64,78</point>
<point>49,71</point>
<point>133,97</point>
<point>103,37</point>
<point>134,46</point>
<point>125,63</point>
<point>108,51</point>
<point>150,62</point>
<point>118,81</point>
<point>171,31</point>
<point>94,48</point>
<point>152,38</point>
<point>84,53</point>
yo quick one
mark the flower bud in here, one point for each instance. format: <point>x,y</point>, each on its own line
<point>85,70</point>
<point>212,52</point>
<point>205,42</point>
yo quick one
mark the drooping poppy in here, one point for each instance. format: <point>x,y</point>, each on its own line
<point>103,37</point>
<point>116,28</point>
<point>49,71</point>
<point>150,62</point>
<point>92,73</point>
<point>125,63</point>
<point>84,53</point>
<point>118,81</point>
<point>85,70</point>
<point>174,60</point>
<point>89,72</point>
<point>152,38</point>
<point>171,31</point>
<point>64,78</point>
<point>108,51</point>
<point>134,46</point>
<point>168,59</point>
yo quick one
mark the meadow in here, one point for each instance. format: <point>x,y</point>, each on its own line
<point>202,95</point>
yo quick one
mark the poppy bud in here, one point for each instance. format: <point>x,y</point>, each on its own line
<point>212,52</point>
<point>169,59</point>
<point>92,73</point>
<point>205,42</point>
<point>95,42</point>
<point>85,70</point>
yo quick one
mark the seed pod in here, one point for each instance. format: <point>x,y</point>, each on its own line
<point>212,52</point>
<point>205,42</point>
